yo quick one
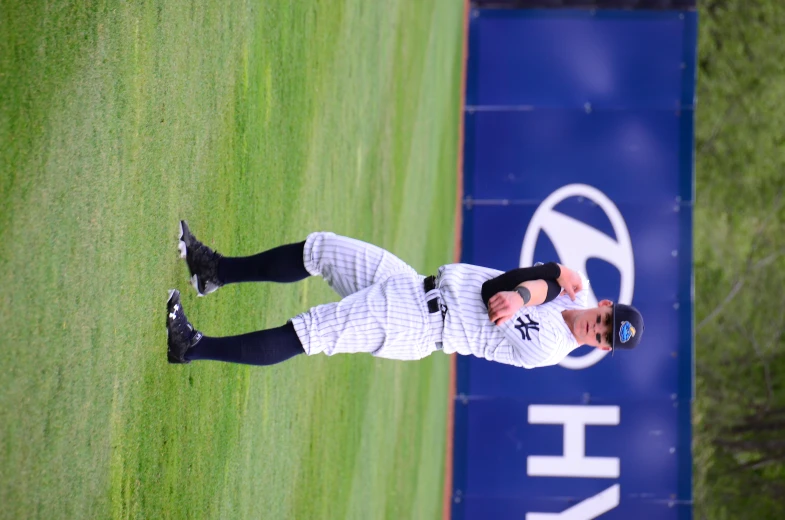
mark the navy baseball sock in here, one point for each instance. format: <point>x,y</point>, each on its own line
<point>284,264</point>
<point>263,347</point>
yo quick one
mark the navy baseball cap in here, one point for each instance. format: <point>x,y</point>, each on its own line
<point>627,326</point>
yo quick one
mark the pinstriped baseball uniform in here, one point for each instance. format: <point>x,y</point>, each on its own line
<point>535,337</point>
<point>384,310</point>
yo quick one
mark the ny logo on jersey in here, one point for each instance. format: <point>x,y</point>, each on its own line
<point>524,327</point>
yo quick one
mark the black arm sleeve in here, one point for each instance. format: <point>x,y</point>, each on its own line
<point>554,290</point>
<point>512,279</point>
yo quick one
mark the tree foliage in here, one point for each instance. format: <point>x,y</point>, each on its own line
<point>739,413</point>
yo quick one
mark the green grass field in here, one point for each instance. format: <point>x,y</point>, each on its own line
<point>257,122</point>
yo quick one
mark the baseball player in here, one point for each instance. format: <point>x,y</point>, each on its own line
<point>528,317</point>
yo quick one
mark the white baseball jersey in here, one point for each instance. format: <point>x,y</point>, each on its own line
<point>384,310</point>
<point>536,336</point>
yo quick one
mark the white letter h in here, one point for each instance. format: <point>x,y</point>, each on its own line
<point>574,462</point>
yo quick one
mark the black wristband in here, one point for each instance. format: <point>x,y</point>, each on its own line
<point>526,294</point>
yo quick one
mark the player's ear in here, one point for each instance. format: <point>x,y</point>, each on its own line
<point>605,303</point>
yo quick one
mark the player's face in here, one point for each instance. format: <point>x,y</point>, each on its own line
<point>594,327</point>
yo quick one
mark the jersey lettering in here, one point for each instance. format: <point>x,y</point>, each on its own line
<point>523,328</point>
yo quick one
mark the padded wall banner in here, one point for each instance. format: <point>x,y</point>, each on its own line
<point>579,149</point>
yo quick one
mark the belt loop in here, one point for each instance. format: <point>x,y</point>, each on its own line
<point>428,285</point>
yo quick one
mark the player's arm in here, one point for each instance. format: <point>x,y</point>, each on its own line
<point>503,305</point>
<point>511,279</point>
<point>564,277</point>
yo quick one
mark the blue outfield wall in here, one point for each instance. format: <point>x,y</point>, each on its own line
<point>579,149</point>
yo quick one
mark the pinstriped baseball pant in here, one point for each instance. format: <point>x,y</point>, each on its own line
<point>383,310</point>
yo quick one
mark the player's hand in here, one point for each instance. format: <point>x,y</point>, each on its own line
<point>503,306</point>
<point>570,282</point>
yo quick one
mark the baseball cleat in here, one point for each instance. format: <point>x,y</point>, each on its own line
<point>202,261</point>
<point>181,335</point>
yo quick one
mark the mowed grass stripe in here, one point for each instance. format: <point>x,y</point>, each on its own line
<point>258,122</point>
<point>89,267</point>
